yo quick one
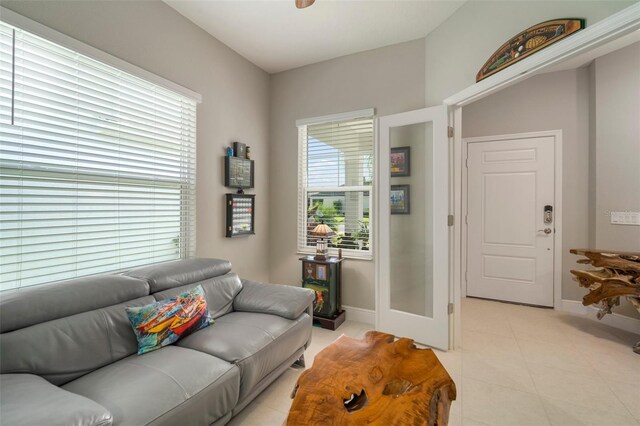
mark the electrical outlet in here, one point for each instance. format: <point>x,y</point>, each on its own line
<point>625,218</point>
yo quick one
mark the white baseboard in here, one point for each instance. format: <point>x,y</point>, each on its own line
<point>622,322</point>
<point>367,316</point>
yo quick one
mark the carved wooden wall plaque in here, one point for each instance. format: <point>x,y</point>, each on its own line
<point>528,42</point>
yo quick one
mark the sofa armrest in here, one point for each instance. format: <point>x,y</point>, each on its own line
<point>27,399</point>
<point>282,300</point>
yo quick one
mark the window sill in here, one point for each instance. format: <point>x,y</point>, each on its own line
<point>346,254</point>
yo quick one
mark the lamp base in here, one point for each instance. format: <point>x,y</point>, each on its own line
<point>322,249</point>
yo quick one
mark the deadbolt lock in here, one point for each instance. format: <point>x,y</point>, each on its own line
<point>548,214</point>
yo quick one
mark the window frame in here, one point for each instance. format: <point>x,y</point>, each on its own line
<point>303,189</point>
<point>184,184</point>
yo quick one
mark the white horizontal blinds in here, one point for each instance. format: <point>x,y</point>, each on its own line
<point>340,153</point>
<point>98,170</point>
<point>302,187</point>
<point>6,72</point>
<point>336,174</point>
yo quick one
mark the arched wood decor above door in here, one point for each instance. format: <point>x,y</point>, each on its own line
<point>528,42</point>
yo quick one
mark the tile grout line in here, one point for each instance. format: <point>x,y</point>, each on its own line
<point>574,346</point>
<point>567,340</point>
<point>513,336</point>
<point>544,408</point>
<point>602,378</point>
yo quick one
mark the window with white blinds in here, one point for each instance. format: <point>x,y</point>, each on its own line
<point>335,166</point>
<point>97,166</point>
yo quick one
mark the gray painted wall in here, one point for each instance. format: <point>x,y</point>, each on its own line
<point>616,175</point>
<point>457,49</point>
<point>617,146</point>
<point>235,104</point>
<point>390,79</point>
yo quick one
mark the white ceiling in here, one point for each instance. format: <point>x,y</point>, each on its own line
<point>276,36</point>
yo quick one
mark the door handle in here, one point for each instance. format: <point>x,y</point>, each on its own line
<point>545,230</point>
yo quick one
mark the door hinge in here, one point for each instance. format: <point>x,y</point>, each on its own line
<point>466,219</point>
<point>450,131</point>
<point>465,276</point>
<point>450,308</point>
<point>466,163</point>
<point>450,220</point>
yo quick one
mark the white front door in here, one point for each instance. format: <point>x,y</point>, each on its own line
<point>510,219</point>
<point>412,254</point>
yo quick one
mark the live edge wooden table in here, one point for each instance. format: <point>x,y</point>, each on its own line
<point>374,381</point>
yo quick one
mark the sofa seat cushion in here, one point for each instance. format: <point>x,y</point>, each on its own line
<point>257,343</point>
<point>146,389</point>
<point>27,399</point>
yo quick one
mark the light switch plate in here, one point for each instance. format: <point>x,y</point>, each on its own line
<point>625,218</point>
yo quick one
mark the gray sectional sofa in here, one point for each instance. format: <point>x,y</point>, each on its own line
<point>68,352</point>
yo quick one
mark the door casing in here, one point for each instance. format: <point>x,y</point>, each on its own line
<point>556,136</point>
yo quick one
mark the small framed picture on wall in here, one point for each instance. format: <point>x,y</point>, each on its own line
<point>400,199</point>
<point>401,161</point>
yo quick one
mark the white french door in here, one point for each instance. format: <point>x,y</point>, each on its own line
<point>412,255</point>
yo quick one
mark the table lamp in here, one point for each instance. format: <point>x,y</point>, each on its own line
<point>322,231</point>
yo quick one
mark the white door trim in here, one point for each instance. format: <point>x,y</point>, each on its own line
<point>557,246</point>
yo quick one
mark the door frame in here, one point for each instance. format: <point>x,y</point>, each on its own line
<point>599,34</point>
<point>557,206</point>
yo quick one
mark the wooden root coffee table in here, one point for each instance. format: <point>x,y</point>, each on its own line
<point>374,381</point>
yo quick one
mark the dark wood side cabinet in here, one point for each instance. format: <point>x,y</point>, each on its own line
<point>324,278</point>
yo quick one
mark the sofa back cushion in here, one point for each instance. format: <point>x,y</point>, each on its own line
<point>66,348</point>
<point>175,273</point>
<point>34,305</point>
<point>219,292</point>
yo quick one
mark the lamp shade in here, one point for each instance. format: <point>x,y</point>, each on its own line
<point>322,230</point>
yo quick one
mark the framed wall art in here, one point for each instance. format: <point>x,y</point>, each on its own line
<point>400,199</point>
<point>401,161</point>
<point>238,173</point>
<point>240,215</point>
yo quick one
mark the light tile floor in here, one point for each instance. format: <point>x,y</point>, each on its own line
<point>517,366</point>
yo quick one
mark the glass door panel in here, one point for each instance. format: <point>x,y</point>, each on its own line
<point>410,221</point>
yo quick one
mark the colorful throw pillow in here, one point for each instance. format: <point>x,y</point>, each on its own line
<point>166,321</point>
